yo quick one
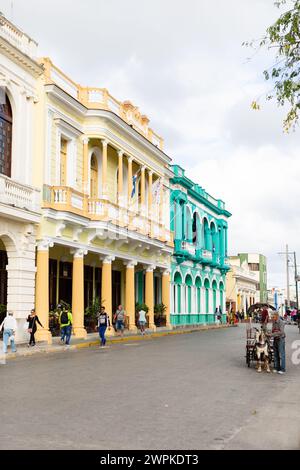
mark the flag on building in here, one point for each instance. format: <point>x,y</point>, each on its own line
<point>134,180</point>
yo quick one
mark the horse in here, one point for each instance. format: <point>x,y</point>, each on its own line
<point>261,350</point>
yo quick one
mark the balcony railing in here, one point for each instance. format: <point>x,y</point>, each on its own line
<point>100,98</point>
<point>189,247</point>
<point>67,199</point>
<point>19,195</point>
<point>207,255</point>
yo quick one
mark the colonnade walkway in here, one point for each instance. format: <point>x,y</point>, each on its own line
<point>93,340</point>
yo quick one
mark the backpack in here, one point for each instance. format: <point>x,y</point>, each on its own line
<point>64,319</point>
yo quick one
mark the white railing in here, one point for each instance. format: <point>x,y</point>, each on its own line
<point>206,254</point>
<point>18,195</point>
<point>17,38</point>
<point>60,196</point>
<point>189,247</point>
<point>63,82</point>
<point>95,96</point>
<point>113,105</point>
<point>96,207</point>
<point>77,201</point>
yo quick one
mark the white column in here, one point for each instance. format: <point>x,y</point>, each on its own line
<point>218,300</point>
<point>210,301</point>
<point>183,302</point>
<point>172,300</point>
<point>202,301</point>
<point>21,272</point>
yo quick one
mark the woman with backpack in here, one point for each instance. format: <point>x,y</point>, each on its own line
<point>65,321</point>
<point>32,320</point>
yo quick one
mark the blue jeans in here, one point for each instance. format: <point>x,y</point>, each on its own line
<point>6,335</point>
<point>66,333</point>
<point>102,330</point>
<point>279,354</point>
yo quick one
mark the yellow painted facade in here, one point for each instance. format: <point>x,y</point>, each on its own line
<point>105,203</point>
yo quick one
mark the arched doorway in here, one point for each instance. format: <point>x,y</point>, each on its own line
<point>214,287</point>
<point>221,287</point>
<point>198,294</point>
<point>6,120</point>
<point>177,292</point>
<point>207,287</point>
<point>188,283</point>
<point>94,177</point>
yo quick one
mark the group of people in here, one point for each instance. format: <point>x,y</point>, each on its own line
<point>65,318</point>
<point>119,322</point>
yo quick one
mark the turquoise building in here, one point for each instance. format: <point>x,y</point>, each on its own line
<point>199,264</point>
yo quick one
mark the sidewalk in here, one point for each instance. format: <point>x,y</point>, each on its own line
<point>93,340</point>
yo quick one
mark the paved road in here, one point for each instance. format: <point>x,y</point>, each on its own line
<point>183,392</point>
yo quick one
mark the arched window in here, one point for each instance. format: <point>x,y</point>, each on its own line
<point>94,177</point>
<point>189,283</point>
<point>214,286</point>
<point>207,286</point>
<point>198,287</point>
<point>177,292</point>
<point>5,137</point>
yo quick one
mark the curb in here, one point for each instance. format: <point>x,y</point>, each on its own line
<point>125,339</point>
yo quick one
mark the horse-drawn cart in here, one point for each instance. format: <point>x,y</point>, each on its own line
<point>252,345</point>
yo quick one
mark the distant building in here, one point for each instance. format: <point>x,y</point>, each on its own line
<point>242,288</point>
<point>258,265</point>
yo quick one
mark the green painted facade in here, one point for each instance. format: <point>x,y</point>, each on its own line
<point>199,264</point>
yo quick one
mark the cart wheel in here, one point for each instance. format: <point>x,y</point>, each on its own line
<point>248,358</point>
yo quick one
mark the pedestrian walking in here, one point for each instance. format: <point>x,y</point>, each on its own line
<point>279,343</point>
<point>103,324</point>
<point>142,321</point>
<point>120,320</point>
<point>9,326</point>
<point>65,321</point>
<point>32,320</point>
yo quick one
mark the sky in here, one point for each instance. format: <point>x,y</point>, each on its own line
<point>183,64</point>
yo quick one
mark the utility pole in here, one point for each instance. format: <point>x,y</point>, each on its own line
<point>296,280</point>
<point>287,260</point>
<point>287,277</point>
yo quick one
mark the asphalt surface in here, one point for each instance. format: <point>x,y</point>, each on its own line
<point>189,391</point>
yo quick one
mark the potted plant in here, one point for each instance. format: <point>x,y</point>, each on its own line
<point>159,316</point>
<point>91,315</point>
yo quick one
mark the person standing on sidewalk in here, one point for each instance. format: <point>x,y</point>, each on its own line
<point>103,324</point>
<point>65,321</point>
<point>142,321</point>
<point>279,343</point>
<point>9,326</point>
<point>32,320</point>
<point>120,320</point>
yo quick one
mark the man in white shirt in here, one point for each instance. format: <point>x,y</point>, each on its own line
<point>9,326</point>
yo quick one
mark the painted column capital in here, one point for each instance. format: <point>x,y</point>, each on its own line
<point>85,140</point>
<point>44,245</point>
<point>104,142</point>
<point>150,173</point>
<point>150,268</point>
<point>107,259</point>
<point>130,159</point>
<point>143,168</point>
<point>78,253</point>
<point>120,153</point>
<point>166,272</point>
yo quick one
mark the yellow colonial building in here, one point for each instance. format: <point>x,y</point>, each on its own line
<point>105,227</point>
